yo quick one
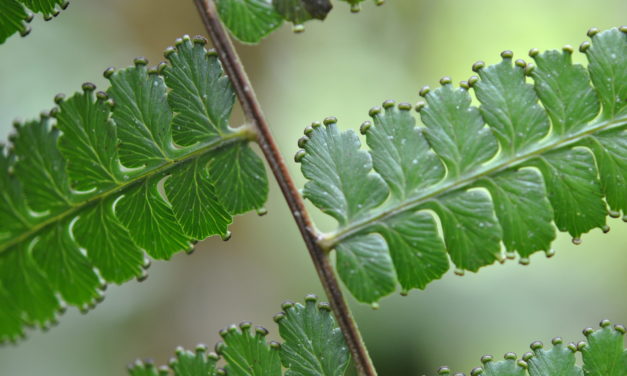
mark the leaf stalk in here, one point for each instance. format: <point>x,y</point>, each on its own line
<point>251,108</point>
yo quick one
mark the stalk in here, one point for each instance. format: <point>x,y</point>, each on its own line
<point>252,110</point>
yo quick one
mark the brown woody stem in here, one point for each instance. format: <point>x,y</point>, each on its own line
<point>246,95</point>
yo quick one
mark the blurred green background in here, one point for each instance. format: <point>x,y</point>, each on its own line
<point>341,67</point>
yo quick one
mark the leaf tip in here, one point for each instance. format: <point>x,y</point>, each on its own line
<point>446,80</point>
<point>302,141</point>
<point>444,370</point>
<point>245,325</point>
<point>520,63</point>
<point>329,120</point>
<point>261,331</point>
<point>486,359</point>
<point>507,54</point>
<point>278,317</point>
<point>25,31</point>
<point>390,103</point>
<point>324,306</point>
<point>472,80</point>
<point>593,31</point>
<point>298,157</point>
<point>199,40</point>
<point>88,87</point>
<point>140,61</point>
<point>404,106</point>
<point>365,127</point>
<point>168,52</point>
<point>477,66</point>
<point>274,345</point>
<point>374,111</point>
<point>424,91</point>
<point>58,99</point>
<point>583,47</point>
<point>568,49</point>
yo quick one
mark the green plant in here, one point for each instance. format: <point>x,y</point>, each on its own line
<point>87,191</point>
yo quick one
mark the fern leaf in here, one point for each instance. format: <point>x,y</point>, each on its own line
<point>152,165</point>
<point>247,353</point>
<point>249,20</point>
<point>500,173</point>
<point>14,14</point>
<point>314,346</point>
<point>252,20</point>
<point>602,354</point>
<point>299,11</point>
<point>186,363</point>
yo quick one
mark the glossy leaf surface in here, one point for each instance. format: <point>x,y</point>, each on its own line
<point>149,166</point>
<point>501,173</point>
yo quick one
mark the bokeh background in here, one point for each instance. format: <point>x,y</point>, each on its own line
<point>340,67</point>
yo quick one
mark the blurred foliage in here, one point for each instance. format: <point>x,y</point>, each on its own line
<point>339,67</point>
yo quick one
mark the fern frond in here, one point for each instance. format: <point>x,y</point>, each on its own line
<point>151,165</point>
<point>252,20</point>
<point>314,346</point>
<point>249,20</point>
<point>602,355</point>
<point>14,15</point>
<point>499,173</point>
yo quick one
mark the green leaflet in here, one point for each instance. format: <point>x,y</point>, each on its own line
<point>314,346</point>
<point>340,183</point>
<point>249,20</point>
<point>299,11</point>
<point>246,353</point>
<point>560,360</point>
<point>150,166</point>
<point>12,19</point>
<point>14,15</point>
<point>501,173</point>
<point>364,263</point>
<point>186,363</point>
<point>602,354</point>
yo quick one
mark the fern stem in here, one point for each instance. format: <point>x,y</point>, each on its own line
<point>252,110</point>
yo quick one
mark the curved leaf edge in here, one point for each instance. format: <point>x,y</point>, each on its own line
<point>17,21</point>
<point>14,312</point>
<point>541,365</point>
<point>240,343</point>
<point>267,16</point>
<point>367,224</point>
